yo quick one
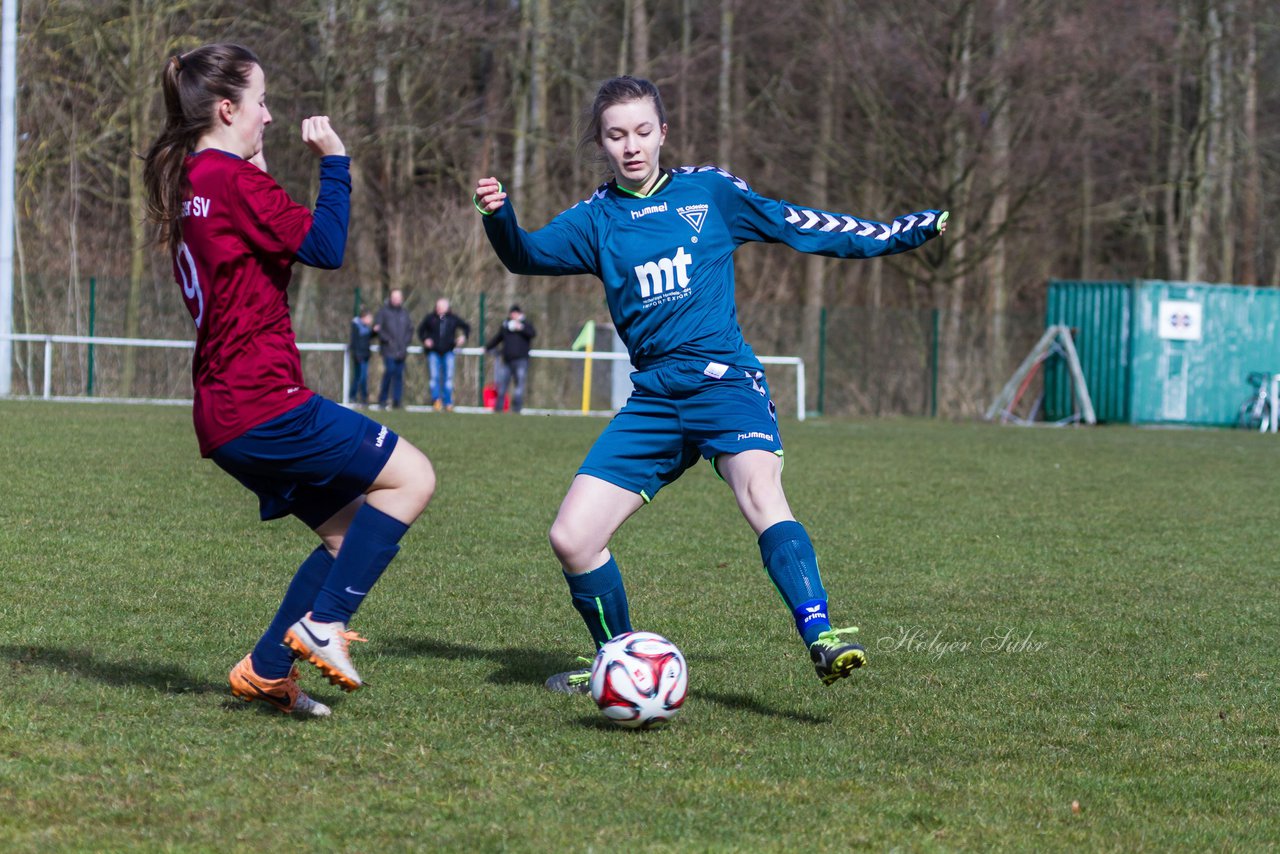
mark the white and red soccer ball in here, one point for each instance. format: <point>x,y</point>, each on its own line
<point>639,680</point>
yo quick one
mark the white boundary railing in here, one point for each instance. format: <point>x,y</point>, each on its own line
<point>313,347</point>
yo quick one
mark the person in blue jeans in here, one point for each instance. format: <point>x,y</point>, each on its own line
<point>440,332</point>
<point>395,331</point>
<point>360,347</point>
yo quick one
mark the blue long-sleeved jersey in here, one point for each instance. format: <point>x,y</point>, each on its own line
<point>666,260</point>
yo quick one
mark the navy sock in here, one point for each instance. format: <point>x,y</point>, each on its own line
<point>368,546</point>
<point>271,658</point>
<point>601,599</point>
<point>792,565</point>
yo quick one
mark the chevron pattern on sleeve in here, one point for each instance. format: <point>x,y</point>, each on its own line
<point>600,193</point>
<point>736,181</point>
<point>806,219</point>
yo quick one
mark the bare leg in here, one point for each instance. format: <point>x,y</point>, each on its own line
<point>592,510</point>
<point>756,480</point>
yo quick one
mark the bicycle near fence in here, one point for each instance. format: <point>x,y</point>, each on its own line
<point>1258,411</point>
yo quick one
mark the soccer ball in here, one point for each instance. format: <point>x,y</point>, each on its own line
<point>639,680</point>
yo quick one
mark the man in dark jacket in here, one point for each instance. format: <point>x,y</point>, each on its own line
<point>395,331</point>
<point>440,332</point>
<point>361,346</point>
<point>513,359</point>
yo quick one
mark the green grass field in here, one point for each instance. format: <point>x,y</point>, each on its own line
<point>1051,616</point>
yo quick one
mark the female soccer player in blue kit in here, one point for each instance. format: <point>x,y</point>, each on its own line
<point>234,235</point>
<point>662,242</point>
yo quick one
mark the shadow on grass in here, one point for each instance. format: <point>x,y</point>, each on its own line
<point>516,665</point>
<point>745,703</point>
<point>166,678</point>
<point>525,666</point>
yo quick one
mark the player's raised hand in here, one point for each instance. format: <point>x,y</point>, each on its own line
<point>489,195</point>
<point>320,137</point>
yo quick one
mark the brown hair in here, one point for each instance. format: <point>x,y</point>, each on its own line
<point>617,90</point>
<point>193,83</point>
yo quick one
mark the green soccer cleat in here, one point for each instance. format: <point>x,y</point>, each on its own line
<point>834,658</point>
<point>571,681</point>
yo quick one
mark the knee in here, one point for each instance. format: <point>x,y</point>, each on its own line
<point>414,481</point>
<point>567,543</point>
<point>422,482</point>
<point>560,538</point>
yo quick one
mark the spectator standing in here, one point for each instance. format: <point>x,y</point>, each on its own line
<point>440,332</point>
<point>361,346</point>
<point>513,359</point>
<point>395,330</point>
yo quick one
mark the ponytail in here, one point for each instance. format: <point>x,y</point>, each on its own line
<point>193,83</point>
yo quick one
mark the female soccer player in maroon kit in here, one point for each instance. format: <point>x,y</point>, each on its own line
<point>234,235</point>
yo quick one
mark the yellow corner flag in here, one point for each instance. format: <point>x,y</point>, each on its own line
<point>586,340</point>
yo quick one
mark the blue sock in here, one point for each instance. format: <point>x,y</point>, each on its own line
<point>271,658</point>
<point>600,598</point>
<point>369,545</point>
<point>788,556</point>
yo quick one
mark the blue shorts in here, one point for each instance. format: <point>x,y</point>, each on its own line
<point>678,412</point>
<point>310,462</point>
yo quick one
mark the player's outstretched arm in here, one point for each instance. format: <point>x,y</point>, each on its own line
<point>562,248</point>
<point>326,242</point>
<point>843,235</point>
<point>821,232</point>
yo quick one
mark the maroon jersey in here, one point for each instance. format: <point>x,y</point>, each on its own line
<point>240,231</point>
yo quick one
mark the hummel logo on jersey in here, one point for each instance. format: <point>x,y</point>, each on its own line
<point>695,215</point>
<point>645,211</point>
<point>657,277</point>
<point>755,434</point>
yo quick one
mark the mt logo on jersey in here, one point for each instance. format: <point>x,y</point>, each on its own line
<point>657,277</point>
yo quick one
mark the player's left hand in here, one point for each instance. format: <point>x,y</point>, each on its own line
<point>942,221</point>
<point>321,138</point>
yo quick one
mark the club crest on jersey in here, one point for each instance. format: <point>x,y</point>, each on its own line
<point>695,215</point>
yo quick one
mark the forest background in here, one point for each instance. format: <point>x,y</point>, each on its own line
<point>1096,139</point>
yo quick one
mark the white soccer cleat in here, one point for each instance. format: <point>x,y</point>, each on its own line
<point>325,646</point>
